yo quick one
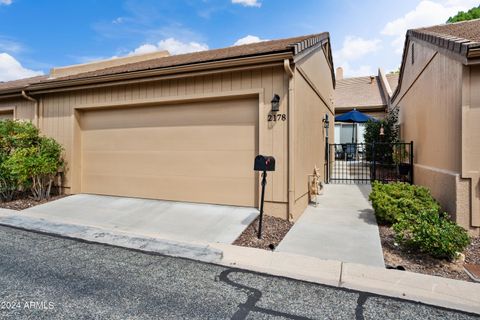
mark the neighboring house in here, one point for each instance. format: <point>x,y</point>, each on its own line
<point>188,127</point>
<point>439,100</point>
<point>369,94</point>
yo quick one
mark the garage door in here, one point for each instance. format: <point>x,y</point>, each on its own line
<point>196,152</point>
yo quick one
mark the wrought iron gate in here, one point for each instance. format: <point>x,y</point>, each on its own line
<point>362,163</point>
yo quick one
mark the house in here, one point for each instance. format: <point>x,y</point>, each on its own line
<point>369,94</point>
<point>188,127</point>
<point>439,100</point>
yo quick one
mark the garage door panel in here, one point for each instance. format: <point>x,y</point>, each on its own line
<point>173,152</point>
<point>193,189</point>
<point>173,138</point>
<point>166,163</point>
<point>177,115</point>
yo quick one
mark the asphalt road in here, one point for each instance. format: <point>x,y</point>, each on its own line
<point>46,277</point>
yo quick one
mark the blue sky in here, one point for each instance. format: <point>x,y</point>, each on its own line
<point>38,35</point>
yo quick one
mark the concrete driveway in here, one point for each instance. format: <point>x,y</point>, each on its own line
<point>178,221</point>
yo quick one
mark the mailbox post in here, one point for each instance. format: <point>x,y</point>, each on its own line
<point>263,164</point>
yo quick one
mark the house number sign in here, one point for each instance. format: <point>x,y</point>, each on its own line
<point>277,117</point>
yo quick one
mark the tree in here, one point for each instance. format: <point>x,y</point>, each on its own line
<point>471,14</point>
<point>384,143</point>
<point>390,129</point>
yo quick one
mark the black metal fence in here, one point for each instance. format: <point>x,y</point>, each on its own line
<point>362,163</point>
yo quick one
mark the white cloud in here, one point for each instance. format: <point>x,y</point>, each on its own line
<point>248,3</point>
<point>426,13</point>
<point>355,48</point>
<point>11,69</point>
<point>173,46</point>
<point>247,40</point>
<point>360,71</point>
<point>6,2</point>
<point>461,3</point>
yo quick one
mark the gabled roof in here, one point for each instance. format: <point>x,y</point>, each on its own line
<point>363,92</point>
<point>293,46</point>
<point>460,39</point>
<point>21,83</point>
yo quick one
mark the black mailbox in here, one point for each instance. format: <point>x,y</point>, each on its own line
<point>264,163</point>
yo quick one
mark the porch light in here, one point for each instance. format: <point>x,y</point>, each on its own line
<point>275,103</point>
<point>382,130</point>
<point>326,122</point>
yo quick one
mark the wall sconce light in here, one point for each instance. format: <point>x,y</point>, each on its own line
<point>326,122</point>
<point>382,130</point>
<point>275,103</point>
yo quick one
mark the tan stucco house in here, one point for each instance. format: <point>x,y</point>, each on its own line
<point>439,100</point>
<point>187,127</point>
<point>368,94</point>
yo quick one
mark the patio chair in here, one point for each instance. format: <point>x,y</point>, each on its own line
<point>350,150</point>
<point>339,154</point>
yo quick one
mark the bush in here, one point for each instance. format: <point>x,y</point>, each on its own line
<point>13,135</point>
<point>433,234</point>
<point>392,200</point>
<point>27,160</point>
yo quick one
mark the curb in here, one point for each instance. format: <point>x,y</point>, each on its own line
<point>431,290</point>
<point>194,251</point>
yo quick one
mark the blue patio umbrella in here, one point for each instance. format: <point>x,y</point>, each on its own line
<point>354,116</point>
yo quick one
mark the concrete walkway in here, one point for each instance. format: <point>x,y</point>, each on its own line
<point>177,221</point>
<point>342,227</point>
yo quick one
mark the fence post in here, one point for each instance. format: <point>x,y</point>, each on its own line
<point>411,162</point>
<point>327,159</point>
<point>374,162</point>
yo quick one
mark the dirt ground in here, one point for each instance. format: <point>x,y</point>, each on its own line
<point>421,263</point>
<point>274,230</point>
<point>26,202</point>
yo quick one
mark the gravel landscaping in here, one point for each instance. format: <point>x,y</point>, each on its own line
<point>274,230</point>
<point>26,202</point>
<point>395,256</point>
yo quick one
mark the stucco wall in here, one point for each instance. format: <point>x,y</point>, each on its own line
<point>430,102</point>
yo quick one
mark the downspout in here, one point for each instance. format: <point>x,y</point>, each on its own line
<point>35,117</point>
<point>291,140</point>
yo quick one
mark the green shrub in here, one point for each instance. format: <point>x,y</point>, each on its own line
<point>433,234</point>
<point>391,200</point>
<point>13,135</point>
<point>27,160</point>
<point>36,166</point>
<point>17,134</point>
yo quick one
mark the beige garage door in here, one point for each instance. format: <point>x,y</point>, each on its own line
<point>196,152</point>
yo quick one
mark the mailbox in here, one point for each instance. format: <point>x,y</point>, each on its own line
<point>264,163</point>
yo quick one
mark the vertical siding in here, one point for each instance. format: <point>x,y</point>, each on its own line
<point>57,119</point>
<point>430,109</point>
<point>25,109</point>
<point>430,102</point>
<point>309,132</point>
